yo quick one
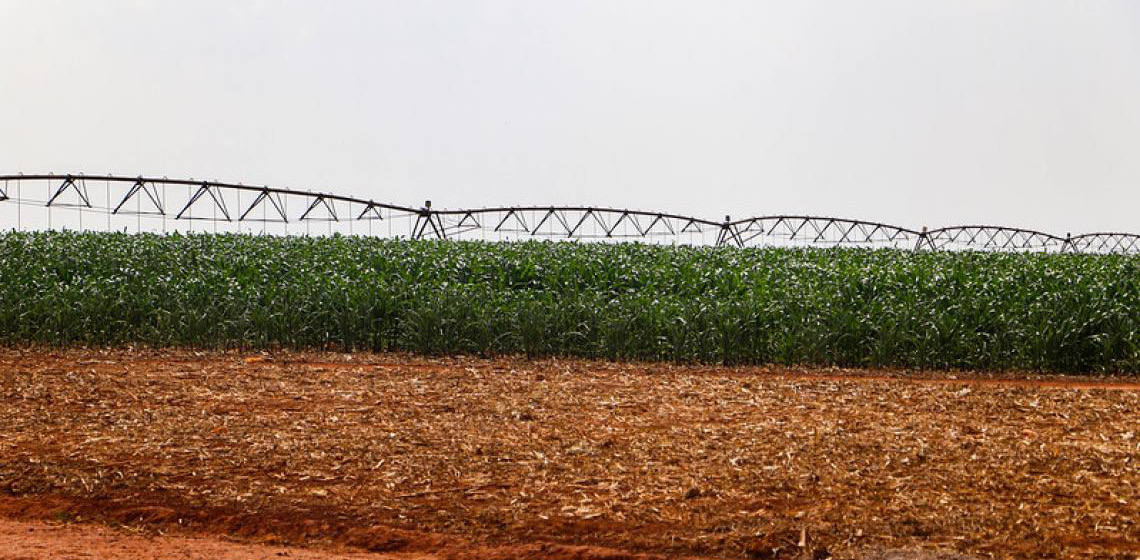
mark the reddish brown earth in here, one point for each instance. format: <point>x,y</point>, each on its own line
<point>31,540</point>
<point>21,540</point>
<point>470,458</point>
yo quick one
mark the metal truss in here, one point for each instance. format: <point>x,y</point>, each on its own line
<point>1106,242</point>
<point>816,230</point>
<point>569,222</point>
<point>993,238</point>
<point>197,200</point>
<point>188,200</point>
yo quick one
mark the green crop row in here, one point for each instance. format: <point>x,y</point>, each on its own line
<point>847,307</point>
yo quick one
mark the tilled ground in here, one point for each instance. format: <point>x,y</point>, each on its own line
<point>408,454</point>
<point>61,541</point>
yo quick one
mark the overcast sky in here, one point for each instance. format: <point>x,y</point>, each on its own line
<point>912,112</point>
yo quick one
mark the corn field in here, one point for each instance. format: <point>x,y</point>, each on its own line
<point>845,307</point>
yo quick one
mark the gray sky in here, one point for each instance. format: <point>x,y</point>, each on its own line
<point>912,112</point>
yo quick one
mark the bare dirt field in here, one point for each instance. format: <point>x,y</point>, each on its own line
<point>473,458</point>
<point>23,540</point>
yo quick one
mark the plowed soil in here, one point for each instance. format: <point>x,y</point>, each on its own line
<point>474,458</point>
<point>21,540</point>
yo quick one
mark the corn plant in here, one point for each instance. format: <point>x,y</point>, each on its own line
<point>847,307</point>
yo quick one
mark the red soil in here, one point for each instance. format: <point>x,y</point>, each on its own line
<point>464,458</point>
<point>22,540</point>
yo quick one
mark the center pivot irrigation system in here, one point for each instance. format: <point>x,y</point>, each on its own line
<point>115,203</point>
